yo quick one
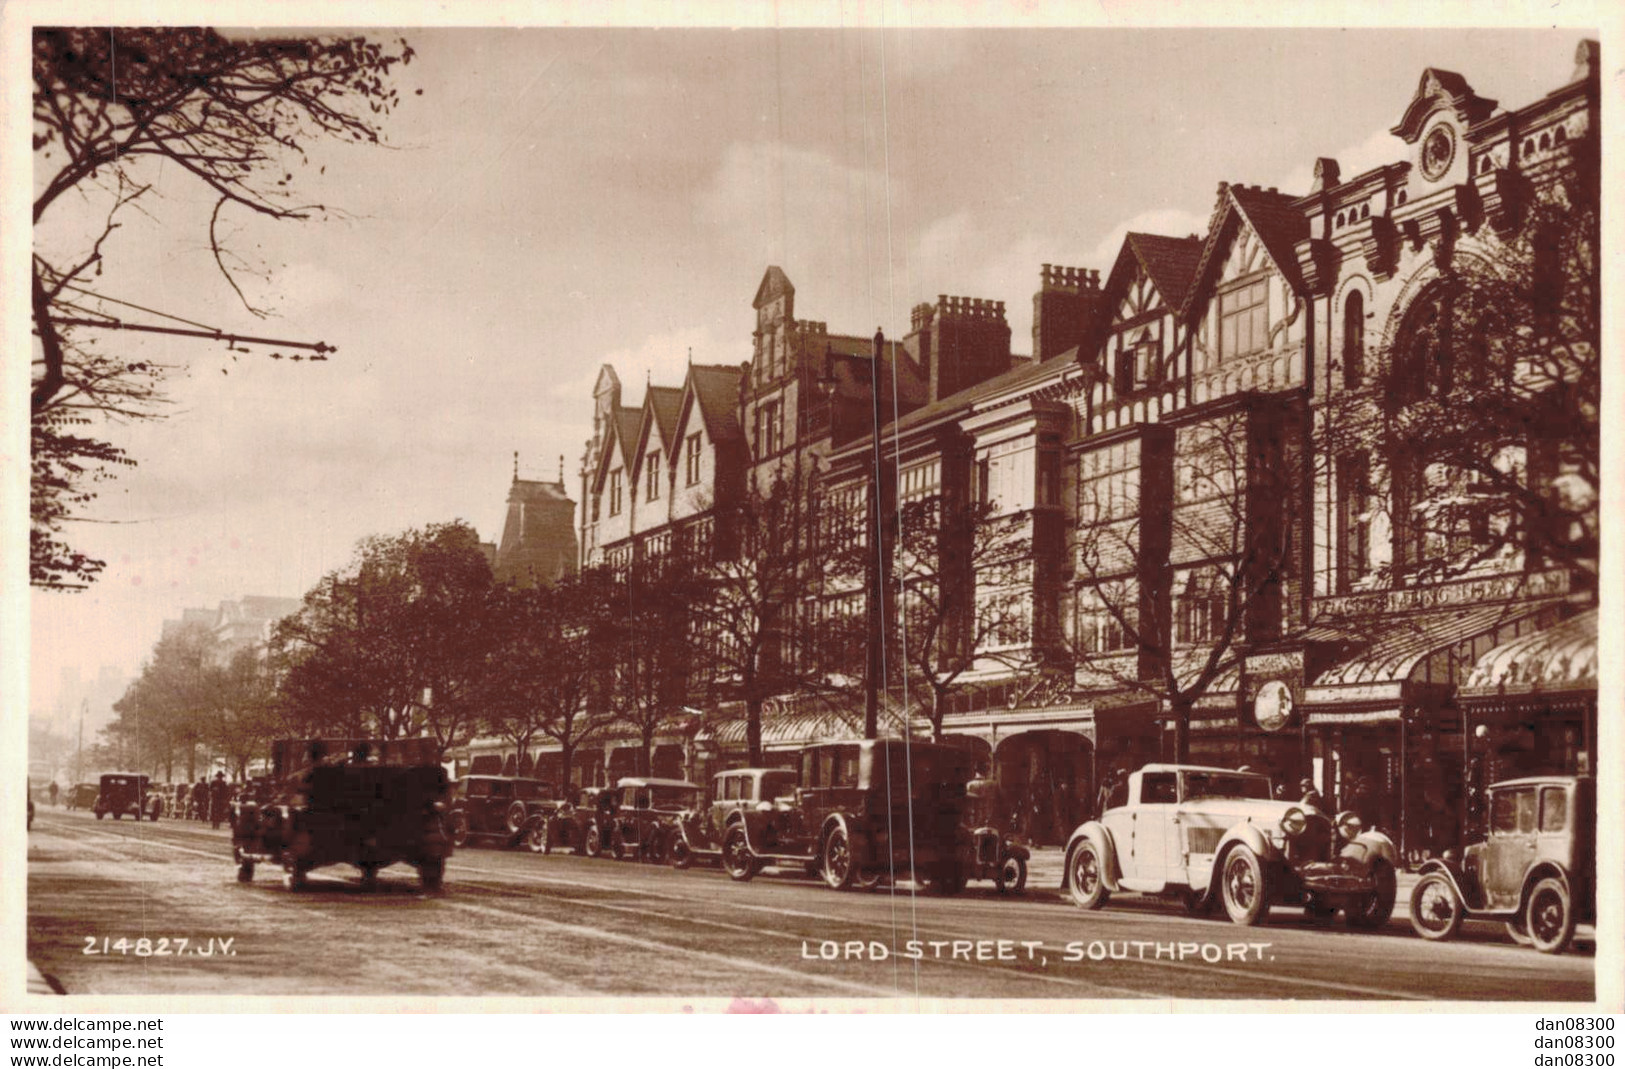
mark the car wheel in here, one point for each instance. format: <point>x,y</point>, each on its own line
<point>1012,877</point>
<point>1436,910</point>
<point>1244,888</point>
<point>515,818</point>
<point>100,814</point>
<point>868,880</point>
<point>245,871</point>
<point>592,843</point>
<point>736,856</point>
<point>535,838</point>
<point>1375,909</point>
<point>1518,933</point>
<point>657,848</point>
<point>294,878</point>
<point>839,867</point>
<point>1086,876</point>
<point>118,816</point>
<point>1549,918</point>
<point>681,856</point>
<point>459,829</point>
<point>432,874</point>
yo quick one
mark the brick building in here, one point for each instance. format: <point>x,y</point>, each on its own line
<point>1202,559</point>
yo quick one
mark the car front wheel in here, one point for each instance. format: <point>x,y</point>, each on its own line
<point>1549,918</point>
<point>681,856</point>
<point>592,844</point>
<point>1086,876</point>
<point>736,856</point>
<point>1436,910</point>
<point>840,867</point>
<point>459,829</point>
<point>1245,892</point>
<point>536,838</point>
<point>1012,877</point>
<point>1375,909</point>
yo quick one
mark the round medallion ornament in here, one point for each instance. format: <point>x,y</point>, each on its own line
<point>1438,150</point>
<point>1272,708</point>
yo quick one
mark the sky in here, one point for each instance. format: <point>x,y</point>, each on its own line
<point>558,199</point>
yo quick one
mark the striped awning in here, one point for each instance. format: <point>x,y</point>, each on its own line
<point>1559,658</point>
<point>1431,647</point>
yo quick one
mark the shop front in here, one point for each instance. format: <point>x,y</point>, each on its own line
<point>1383,734</point>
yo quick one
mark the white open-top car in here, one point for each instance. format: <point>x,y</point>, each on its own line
<point>1213,835</point>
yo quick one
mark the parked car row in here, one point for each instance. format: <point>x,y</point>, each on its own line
<point>857,813</point>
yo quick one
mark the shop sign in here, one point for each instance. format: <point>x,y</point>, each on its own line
<point>1470,592</point>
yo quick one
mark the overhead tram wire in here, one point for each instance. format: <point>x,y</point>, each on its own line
<point>232,340</point>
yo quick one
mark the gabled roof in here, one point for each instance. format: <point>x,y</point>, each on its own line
<point>1170,262</point>
<point>713,391</point>
<point>623,436</point>
<point>1440,87</point>
<point>1271,215</point>
<point>774,283</point>
<point>661,405</point>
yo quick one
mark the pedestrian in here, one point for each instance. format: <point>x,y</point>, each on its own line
<point>53,790</point>
<point>219,798</point>
<point>200,800</point>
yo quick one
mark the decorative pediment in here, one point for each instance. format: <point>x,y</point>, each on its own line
<point>1441,89</point>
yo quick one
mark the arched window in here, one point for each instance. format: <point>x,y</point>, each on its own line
<point>1422,363</point>
<point>1354,339</point>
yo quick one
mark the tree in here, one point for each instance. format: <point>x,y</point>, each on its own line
<point>647,642</point>
<point>397,644</point>
<point>944,544</point>
<point>243,722</point>
<point>117,111</point>
<point>545,664</point>
<point>1486,414</point>
<point>752,633</point>
<point>1172,596</point>
<point>166,711</point>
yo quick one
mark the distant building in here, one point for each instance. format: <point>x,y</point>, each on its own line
<point>236,625</point>
<point>538,538</point>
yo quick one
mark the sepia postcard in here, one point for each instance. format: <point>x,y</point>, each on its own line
<point>809,508</point>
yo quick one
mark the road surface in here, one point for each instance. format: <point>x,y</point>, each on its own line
<point>519,924</point>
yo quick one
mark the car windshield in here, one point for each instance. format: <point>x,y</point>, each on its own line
<point>779,784</point>
<point>674,797</point>
<point>1226,785</point>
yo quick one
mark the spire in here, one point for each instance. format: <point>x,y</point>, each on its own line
<point>561,469</point>
<point>516,465</point>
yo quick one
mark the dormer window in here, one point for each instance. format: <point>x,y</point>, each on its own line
<point>691,459</point>
<point>615,492</point>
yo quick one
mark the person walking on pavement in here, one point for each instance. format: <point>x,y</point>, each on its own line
<point>53,789</point>
<point>219,796</point>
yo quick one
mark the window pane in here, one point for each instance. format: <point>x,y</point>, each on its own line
<point>1553,808</point>
<point>1526,810</point>
<point>1503,812</point>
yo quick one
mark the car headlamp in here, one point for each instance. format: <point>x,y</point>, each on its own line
<point>1348,824</point>
<point>1294,822</point>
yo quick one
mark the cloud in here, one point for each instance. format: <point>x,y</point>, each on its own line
<point>1172,222</point>
<point>1376,149</point>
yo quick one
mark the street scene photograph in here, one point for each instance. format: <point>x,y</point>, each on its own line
<point>908,515</point>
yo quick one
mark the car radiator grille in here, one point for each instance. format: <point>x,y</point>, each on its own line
<point>1315,844</point>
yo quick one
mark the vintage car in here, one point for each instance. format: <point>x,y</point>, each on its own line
<point>1535,871</point>
<point>360,802</point>
<point>501,807</point>
<point>1212,835</point>
<point>643,820</point>
<point>123,793</point>
<point>82,796</point>
<point>700,831</point>
<point>863,811</point>
<point>566,827</point>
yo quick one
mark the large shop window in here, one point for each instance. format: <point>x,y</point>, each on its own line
<point>1244,320</point>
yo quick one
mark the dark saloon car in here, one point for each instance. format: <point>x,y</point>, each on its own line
<point>360,802</point>
<point>573,823</point>
<point>863,811</point>
<point>644,821</point>
<point>82,796</point>
<point>1536,869</point>
<point>501,807</point>
<point>123,794</point>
